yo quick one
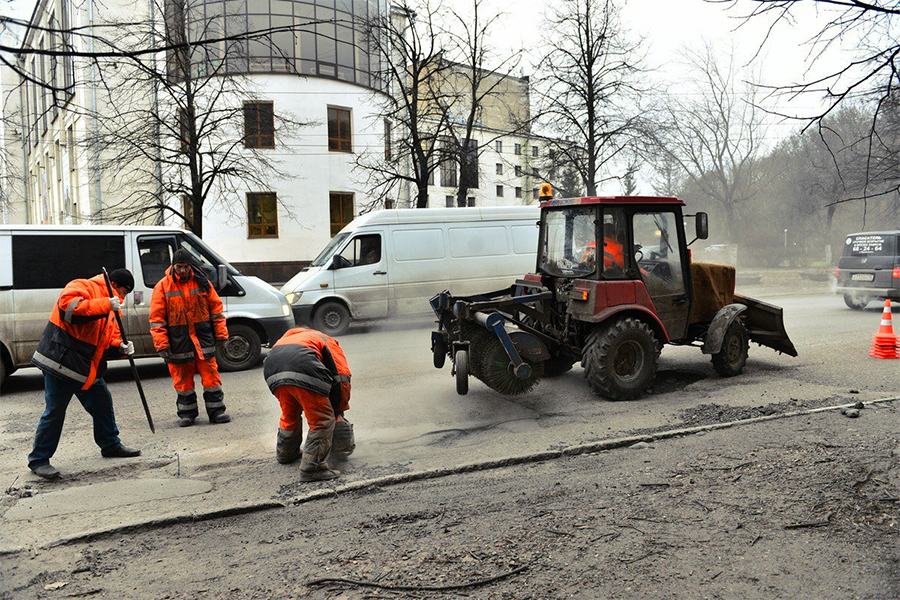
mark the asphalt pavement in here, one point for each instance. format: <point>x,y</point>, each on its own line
<point>110,496</point>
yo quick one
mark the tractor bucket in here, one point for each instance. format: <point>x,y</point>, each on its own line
<point>765,324</point>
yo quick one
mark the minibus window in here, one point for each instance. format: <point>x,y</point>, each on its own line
<point>52,261</point>
<point>324,257</point>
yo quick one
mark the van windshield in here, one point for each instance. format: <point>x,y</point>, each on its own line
<point>870,244</point>
<point>324,256</point>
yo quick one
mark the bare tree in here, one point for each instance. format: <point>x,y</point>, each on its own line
<point>476,90</point>
<point>170,135</point>
<point>588,87</point>
<point>714,133</point>
<point>871,76</point>
<point>413,67</point>
<point>182,132</point>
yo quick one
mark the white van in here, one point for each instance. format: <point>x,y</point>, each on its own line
<point>36,262</point>
<point>391,262</point>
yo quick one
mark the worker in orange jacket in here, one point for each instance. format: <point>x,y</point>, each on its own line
<point>81,335</point>
<point>308,373</point>
<point>186,320</point>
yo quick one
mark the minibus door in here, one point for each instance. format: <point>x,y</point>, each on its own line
<point>154,257</point>
<point>360,275</point>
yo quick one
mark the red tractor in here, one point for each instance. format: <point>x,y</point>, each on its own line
<point>614,282</point>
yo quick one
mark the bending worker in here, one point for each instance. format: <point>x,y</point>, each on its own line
<point>186,321</point>
<point>72,354</point>
<point>308,373</point>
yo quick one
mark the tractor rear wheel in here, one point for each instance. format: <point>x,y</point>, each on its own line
<point>620,359</point>
<point>730,360</point>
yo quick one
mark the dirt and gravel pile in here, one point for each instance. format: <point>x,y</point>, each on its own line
<point>802,507</point>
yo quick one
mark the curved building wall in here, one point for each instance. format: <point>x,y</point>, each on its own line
<point>323,38</point>
<point>314,172</point>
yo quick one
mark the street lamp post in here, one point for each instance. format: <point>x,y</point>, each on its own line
<point>785,238</point>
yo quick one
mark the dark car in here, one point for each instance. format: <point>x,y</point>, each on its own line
<point>869,268</point>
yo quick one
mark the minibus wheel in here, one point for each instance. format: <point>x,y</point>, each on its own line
<point>242,349</point>
<point>332,318</point>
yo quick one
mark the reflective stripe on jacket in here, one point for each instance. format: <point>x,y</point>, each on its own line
<point>186,318</point>
<point>311,360</point>
<point>81,329</point>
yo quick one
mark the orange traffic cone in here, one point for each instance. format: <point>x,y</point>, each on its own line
<point>885,342</point>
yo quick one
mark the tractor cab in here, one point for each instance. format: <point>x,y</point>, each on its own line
<point>626,252</point>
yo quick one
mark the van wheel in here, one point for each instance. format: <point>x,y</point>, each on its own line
<point>241,351</point>
<point>332,318</point>
<point>4,371</point>
<point>856,302</point>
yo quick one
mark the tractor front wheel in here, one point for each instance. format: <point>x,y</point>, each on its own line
<point>730,360</point>
<point>620,359</point>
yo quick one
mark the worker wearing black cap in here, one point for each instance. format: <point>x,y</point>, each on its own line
<point>72,353</point>
<point>187,319</point>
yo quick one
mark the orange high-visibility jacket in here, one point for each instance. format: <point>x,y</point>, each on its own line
<point>186,318</point>
<point>324,371</point>
<point>82,328</point>
<point>613,253</point>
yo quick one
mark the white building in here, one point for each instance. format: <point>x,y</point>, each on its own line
<point>315,68</point>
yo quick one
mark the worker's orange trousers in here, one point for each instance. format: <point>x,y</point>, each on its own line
<point>183,374</point>
<point>295,401</point>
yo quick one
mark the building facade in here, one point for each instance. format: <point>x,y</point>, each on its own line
<point>314,64</point>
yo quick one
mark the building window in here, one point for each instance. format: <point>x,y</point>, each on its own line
<point>449,201</point>
<point>448,165</point>
<point>499,191</point>
<point>518,192</point>
<point>339,130</point>
<point>387,139</point>
<point>187,209</point>
<point>518,149</point>
<point>262,215</point>
<point>534,151</point>
<point>535,193</point>
<point>341,210</point>
<point>499,169</point>
<point>471,200</point>
<point>518,171</point>
<point>259,125</point>
<point>468,171</point>
<point>498,145</point>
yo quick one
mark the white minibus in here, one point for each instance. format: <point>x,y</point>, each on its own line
<point>390,263</point>
<point>36,262</point>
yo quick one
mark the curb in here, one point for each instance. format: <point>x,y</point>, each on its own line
<point>389,480</point>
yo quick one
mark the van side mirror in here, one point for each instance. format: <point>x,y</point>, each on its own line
<point>702,226</point>
<point>221,277</point>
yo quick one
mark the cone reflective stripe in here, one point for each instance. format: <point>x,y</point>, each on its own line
<point>885,342</point>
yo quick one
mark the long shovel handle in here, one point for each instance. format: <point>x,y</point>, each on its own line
<point>134,370</point>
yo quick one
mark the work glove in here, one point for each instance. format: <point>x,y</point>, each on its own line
<point>114,303</point>
<point>126,348</point>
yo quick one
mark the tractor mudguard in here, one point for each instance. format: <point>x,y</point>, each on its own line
<point>715,335</point>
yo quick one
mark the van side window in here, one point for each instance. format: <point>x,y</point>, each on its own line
<point>52,261</point>
<point>155,256</point>
<point>363,250</point>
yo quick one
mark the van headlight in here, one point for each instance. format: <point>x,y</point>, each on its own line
<point>292,297</point>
